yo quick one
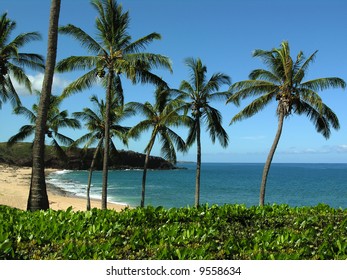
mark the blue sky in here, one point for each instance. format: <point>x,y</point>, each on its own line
<point>223,33</point>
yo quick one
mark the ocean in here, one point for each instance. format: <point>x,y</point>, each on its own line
<point>221,183</point>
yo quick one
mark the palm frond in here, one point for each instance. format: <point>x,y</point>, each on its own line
<point>142,126</point>
<point>167,147</point>
<point>186,88</point>
<point>24,132</point>
<point>197,72</point>
<point>65,140</point>
<point>24,38</point>
<point>82,83</point>
<point>58,150</point>
<point>322,119</point>
<point>216,81</point>
<point>149,61</point>
<point>261,74</point>
<point>30,60</point>
<point>87,115</point>
<point>309,96</point>
<point>112,24</point>
<point>88,138</point>
<point>192,133</point>
<point>177,140</point>
<point>71,123</point>
<point>8,92</point>
<point>83,38</point>
<point>145,109</point>
<point>77,63</point>
<point>251,88</point>
<point>300,72</point>
<point>213,118</point>
<point>141,43</point>
<point>324,83</point>
<point>20,76</point>
<point>121,135</point>
<point>21,110</point>
<point>253,108</point>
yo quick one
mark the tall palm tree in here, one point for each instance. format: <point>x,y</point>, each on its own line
<point>199,91</point>
<point>56,120</point>
<point>12,61</point>
<point>38,199</point>
<point>95,123</point>
<point>283,81</point>
<point>159,118</point>
<point>112,55</point>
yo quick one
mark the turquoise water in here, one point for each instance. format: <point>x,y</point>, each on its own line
<point>221,183</point>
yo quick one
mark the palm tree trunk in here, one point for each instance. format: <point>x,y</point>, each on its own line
<point>270,157</point>
<point>91,173</point>
<point>106,140</point>
<point>198,165</point>
<point>38,199</point>
<point>144,176</point>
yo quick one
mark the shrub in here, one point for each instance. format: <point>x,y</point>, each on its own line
<point>208,232</point>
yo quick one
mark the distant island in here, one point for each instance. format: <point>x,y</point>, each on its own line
<point>20,154</point>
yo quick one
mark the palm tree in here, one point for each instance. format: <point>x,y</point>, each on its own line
<point>56,120</point>
<point>199,91</point>
<point>160,117</point>
<point>12,60</point>
<point>95,123</point>
<point>283,82</point>
<point>112,56</point>
<point>38,199</point>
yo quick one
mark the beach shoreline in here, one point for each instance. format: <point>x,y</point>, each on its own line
<point>15,185</point>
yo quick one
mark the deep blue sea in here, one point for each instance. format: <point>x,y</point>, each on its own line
<point>221,183</point>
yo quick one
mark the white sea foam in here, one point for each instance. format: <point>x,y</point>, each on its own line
<point>75,187</point>
<point>64,171</point>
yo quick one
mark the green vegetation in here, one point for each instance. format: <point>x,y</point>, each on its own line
<point>21,153</point>
<point>206,232</point>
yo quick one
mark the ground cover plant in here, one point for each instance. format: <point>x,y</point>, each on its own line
<point>206,232</point>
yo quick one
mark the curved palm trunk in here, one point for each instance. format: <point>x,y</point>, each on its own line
<point>38,199</point>
<point>91,173</point>
<point>144,176</point>
<point>270,157</point>
<point>107,141</point>
<point>198,165</point>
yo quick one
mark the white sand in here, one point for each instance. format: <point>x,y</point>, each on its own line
<point>14,192</point>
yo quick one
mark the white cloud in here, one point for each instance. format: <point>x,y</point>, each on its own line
<point>253,138</point>
<point>320,150</point>
<point>341,148</point>
<point>59,83</point>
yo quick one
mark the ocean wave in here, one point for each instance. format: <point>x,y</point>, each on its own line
<point>69,186</point>
<point>64,171</point>
<point>78,188</point>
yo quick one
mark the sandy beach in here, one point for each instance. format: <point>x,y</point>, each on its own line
<point>14,191</point>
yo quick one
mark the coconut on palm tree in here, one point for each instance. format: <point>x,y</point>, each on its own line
<point>95,123</point>
<point>199,91</point>
<point>160,117</point>
<point>56,120</point>
<point>283,82</point>
<point>12,61</point>
<point>112,55</point>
